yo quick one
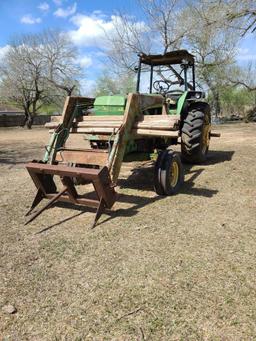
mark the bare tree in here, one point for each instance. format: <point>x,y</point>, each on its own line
<point>243,76</point>
<point>170,24</point>
<point>159,32</point>
<point>163,18</point>
<point>36,69</point>
<point>59,56</point>
<point>129,37</point>
<point>108,83</point>
<point>22,80</point>
<point>242,14</point>
<point>213,46</point>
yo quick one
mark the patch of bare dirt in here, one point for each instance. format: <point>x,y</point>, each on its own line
<point>173,268</point>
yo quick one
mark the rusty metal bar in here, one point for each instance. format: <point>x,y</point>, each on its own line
<point>214,134</point>
<point>79,200</point>
<point>86,173</point>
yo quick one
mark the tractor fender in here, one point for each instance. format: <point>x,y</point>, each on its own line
<point>200,106</point>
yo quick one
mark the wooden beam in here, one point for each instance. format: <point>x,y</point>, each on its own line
<point>99,126</point>
<point>132,110</point>
<point>89,156</point>
<point>115,118</point>
<point>154,133</point>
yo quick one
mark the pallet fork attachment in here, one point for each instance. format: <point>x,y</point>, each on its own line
<point>42,176</point>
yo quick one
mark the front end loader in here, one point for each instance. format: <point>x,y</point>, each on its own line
<point>119,128</point>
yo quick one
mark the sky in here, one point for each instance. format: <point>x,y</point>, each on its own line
<point>83,20</point>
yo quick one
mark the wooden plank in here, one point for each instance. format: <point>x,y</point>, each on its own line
<point>103,130</point>
<point>153,124</point>
<point>161,124</point>
<point>101,118</point>
<point>154,133</point>
<point>90,157</point>
<point>68,109</point>
<point>107,132</point>
<point>54,119</point>
<point>116,118</point>
<point>92,118</point>
<point>95,124</point>
<point>99,126</point>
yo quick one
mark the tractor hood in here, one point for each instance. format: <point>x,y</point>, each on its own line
<point>109,105</point>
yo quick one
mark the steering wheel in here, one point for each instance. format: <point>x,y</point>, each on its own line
<point>161,86</point>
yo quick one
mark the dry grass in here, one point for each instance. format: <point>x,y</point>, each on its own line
<point>175,268</point>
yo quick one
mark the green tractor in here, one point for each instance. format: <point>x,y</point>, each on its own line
<point>172,78</point>
<point>138,126</point>
<point>183,101</point>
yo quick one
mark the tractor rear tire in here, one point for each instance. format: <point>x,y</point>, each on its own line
<point>168,175</point>
<point>195,136</point>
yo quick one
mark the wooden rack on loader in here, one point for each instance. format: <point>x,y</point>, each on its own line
<point>99,167</point>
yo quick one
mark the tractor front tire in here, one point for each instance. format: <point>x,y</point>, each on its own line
<point>195,136</point>
<point>169,174</point>
<point>157,172</point>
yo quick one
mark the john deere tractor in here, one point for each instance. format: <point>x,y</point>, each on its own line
<point>145,124</point>
<point>182,99</point>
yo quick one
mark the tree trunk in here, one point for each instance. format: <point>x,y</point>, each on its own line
<point>251,115</point>
<point>216,102</point>
<point>29,119</point>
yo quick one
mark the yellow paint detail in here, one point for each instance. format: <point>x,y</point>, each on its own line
<point>174,173</point>
<point>206,137</point>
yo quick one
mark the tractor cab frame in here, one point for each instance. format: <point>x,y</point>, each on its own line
<point>167,62</point>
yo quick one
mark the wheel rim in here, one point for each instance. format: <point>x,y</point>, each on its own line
<point>174,173</point>
<point>206,138</point>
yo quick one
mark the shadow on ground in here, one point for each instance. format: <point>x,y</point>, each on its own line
<point>142,176</point>
<point>141,179</point>
<point>18,156</point>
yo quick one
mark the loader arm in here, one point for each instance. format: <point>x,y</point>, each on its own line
<point>135,105</point>
<point>61,133</point>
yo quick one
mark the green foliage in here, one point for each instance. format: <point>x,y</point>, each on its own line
<point>111,84</point>
<point>235,100</point>
<point>49,109</point>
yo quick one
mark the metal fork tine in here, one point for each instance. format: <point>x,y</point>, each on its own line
<point>49,203</point>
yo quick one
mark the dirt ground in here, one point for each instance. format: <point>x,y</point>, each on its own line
<point>157,268</point>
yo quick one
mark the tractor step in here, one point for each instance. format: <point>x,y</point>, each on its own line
<point>43,177</point>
